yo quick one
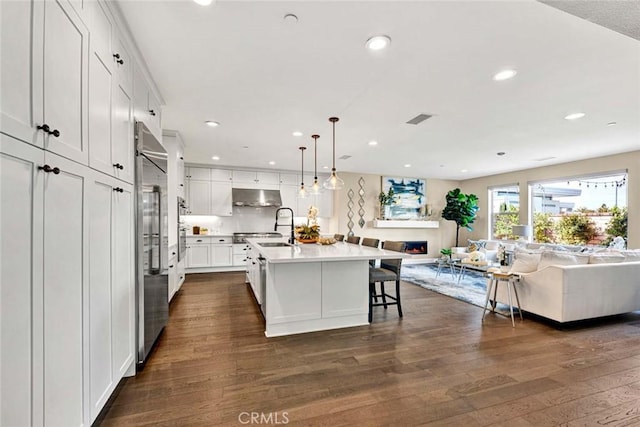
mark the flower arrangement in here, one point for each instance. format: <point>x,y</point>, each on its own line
<point>386,199</point>
<point>310,230</point>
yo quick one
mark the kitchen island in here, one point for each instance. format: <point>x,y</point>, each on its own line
<point>312,287</point>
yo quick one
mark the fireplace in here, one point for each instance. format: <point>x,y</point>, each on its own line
<point>416,247</point>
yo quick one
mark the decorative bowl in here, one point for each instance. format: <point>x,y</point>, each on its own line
<point>326,240</point>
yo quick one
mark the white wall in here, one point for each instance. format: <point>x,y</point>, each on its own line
<point>625,161</point>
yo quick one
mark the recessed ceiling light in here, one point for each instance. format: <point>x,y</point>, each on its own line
<point>612,124</point>
<point>504,75</point>
<point>215,158</point>
<point>378,42</point>
<point>373,143</point>
<point>407,165</point>
<point>203,2</point>
<point>501,153</point>
<point>463,170</point>
<point>574,116</point>
<point>272,163</point>
<point>297,133</point>
<point>212,123</point>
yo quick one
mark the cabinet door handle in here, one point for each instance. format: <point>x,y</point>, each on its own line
<point>118,189</point>
<point>44,127</point>
<point>118,166</point>
<point>173,253</point>
<point>120,61</point>
<point>181,158</point>
<point>171,266</point>
<point>116,55</point>
<point>47,168</point>
<point>181,185</point>
<point>220,240</point>
<point>199,240</point>
<point>55,133</point>
<point>153,113</point>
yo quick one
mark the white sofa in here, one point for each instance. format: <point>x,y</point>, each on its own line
<point>567,293</point>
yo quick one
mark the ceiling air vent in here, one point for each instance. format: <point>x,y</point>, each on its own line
<point>419,119</point>
<point>345,157</point>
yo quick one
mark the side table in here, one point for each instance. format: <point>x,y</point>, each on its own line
<point>509,279</point>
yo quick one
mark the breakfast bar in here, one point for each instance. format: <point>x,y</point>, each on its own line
<point>313,287</point>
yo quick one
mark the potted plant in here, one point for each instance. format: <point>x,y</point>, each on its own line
<point>309,232</point>
<point>446,253</point>
<point>386,199</point>
<point>461,208</point>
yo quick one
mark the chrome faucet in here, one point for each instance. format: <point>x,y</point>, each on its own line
<point>275,228</point>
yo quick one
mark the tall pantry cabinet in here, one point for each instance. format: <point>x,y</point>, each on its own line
<point>67,282</point>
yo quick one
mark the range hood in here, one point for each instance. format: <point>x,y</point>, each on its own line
<point>256,198</point>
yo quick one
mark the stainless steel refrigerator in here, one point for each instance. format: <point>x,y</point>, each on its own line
<point>152,275</point>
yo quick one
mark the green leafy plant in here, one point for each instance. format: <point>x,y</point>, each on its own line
<point>446,252</point>
<point>503,222</point>
<point>386,199</point>
<point>461,208</point>
<point>544,229</point>
<point>576,229</point>
<point>617,225</point>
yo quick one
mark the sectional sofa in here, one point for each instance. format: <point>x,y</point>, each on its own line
<point>567,287</point>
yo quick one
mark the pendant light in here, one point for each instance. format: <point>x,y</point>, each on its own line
<point>333,182</point>
<point>316,188</point>
<point>302,193</point>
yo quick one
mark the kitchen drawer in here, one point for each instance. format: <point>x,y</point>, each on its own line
<point>198,239</point>
<point>240,249</point>
<point>221,240</point>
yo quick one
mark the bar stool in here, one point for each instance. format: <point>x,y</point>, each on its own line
<point>388,271</point>
<point>373,243</point>
<point>353,239</point>
<point>339,237</point>
<point>510,279</point>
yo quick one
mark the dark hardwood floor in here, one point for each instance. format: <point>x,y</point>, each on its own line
<point>439,365</point>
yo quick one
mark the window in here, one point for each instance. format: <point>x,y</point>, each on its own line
<point>504,210</point>
<point>586,210</point>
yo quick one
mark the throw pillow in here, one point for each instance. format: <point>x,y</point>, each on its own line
<point>491,245</point>
<point>561,258</point>
<point>525,263</point>
<point>476,256</point>
<point>475,245</point>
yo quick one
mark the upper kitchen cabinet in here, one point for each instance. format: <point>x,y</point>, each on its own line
<point>289,179</point>
<point>48,45</point>
<point>253,179</point>
<point>146,106</point>
<point>122,60</point>
<point>199,174</point>
<point>220,175</point>
<point>110,121</point>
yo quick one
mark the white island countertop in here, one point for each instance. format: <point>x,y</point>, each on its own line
<point>313,252</point>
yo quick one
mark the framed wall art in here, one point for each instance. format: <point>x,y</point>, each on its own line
<point>409,197</point>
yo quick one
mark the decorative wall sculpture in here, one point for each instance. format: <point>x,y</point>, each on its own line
<point>350,224</point>
<point>361,212</point>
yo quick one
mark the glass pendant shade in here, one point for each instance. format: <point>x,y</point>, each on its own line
<point>316,188</point>
<point>334,182</point>
<point>302,193</point>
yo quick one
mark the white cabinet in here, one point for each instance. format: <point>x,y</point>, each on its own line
<point>180,171</point>
<point>73,338</point>
<point>221,252</point>
<point>16,37</point>
<point>199,200</point>
<point>254,179</point>
<point>220,175</point>
<point>173,274</point>
<point>146,106</point>
<point>123,64</point>
<point>63,73</point>
<point>122,152</point>
<point>198,255</point>
<point>44,84</point>
<point>200,174</point>
<point>240,254</point>
<point>21,189</point>
<point>289,179</point>
<point>221,202</point>
<point>111,286</point>
<point>65,291</point>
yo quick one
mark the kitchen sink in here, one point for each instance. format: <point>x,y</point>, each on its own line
<point>274,244</point>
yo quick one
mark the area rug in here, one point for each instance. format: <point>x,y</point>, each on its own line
<point>471,289</point>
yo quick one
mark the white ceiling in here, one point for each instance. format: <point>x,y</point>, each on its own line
<point>239,63</point>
